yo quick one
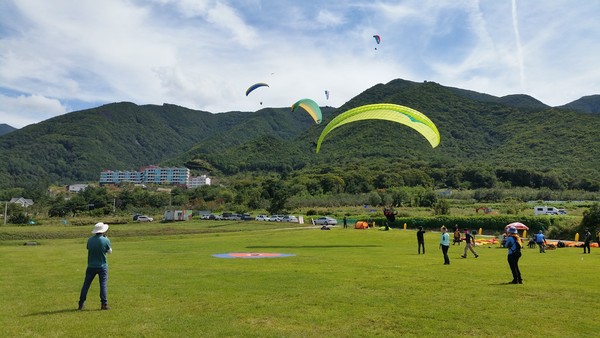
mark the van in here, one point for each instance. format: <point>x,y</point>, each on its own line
<point>545,210</point>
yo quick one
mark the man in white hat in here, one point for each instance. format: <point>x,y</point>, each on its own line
<point>98,246</point>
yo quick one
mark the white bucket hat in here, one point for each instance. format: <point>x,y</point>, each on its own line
<point>100,228</point>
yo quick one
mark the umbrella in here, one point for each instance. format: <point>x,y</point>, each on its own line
<point>517,225</point>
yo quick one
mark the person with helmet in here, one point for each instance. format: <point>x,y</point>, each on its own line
<point>514,245</point>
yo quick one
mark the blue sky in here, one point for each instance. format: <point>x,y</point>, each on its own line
<point>65,55</point>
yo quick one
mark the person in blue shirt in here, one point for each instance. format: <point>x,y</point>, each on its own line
<point>98,247</point>
<point>540,239</point>
<point>514,245</point>
<point>445,244</point>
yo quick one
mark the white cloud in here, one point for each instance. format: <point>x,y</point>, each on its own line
<point>203,54</point>
<point>329,19</point>
<point>24,110</point>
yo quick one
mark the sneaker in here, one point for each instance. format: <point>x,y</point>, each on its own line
<point>463,256</point>
<point>105,307</point>
<point>81,306</point>
<point>476,256</point>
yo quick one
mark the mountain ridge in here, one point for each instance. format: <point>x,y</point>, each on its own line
<point>478,129</point>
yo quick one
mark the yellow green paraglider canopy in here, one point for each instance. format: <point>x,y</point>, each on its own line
<point>389,112</point>
<point>311,107</point>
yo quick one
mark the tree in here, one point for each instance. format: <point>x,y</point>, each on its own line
<point>591,217</point>
<point>277,193</point>
<point>441,207</point>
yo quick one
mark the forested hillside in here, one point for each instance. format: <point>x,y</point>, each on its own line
<point>485,139</point>
<point>515,139</point>
<point>5,129</point>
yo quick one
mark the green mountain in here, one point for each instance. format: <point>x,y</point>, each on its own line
<point>75,147</point>
<point>5,129</point>
<point>587,104</point>
<point>481,135</point>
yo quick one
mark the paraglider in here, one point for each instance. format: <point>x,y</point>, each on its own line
<point>377,39</point>
<point>311,107</point>
<point>254,86</point>
<point>389,112</point>
<point>327,94</point>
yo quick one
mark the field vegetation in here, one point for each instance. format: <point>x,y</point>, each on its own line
<point>165,282</point>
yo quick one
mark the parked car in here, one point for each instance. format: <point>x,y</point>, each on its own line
<point>326,221</point>
<point>208,216</point>
<point>289,218</point>
<point>275,218</point>
<point>246,217</point>
<point>235,217</point>
<point>144,218</point>
<point>262,218</point>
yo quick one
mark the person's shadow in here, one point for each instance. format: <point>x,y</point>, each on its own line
<point>55,312</point>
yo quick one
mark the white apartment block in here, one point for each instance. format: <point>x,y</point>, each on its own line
<point>198,181</point>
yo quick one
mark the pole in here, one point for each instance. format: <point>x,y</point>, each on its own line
<point>5,211</point>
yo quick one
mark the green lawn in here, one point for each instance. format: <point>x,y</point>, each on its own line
<point>341,283</point>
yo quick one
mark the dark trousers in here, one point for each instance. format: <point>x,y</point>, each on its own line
<point>542,246</point>
<point>90,273</point>
<point>421,245</point>
<point>586,245</point>
<point>445,252</point>
<point>513,262</point>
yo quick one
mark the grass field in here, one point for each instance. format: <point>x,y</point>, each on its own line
<point>165,282</point>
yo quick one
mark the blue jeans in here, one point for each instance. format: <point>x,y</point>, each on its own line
<point>90,273</point>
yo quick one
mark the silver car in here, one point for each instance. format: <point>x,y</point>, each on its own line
<point>262,218</point>
<point>325,221</point>
<point>289,218</point>
<point>275,218</point>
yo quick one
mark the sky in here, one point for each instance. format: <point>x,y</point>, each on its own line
<point>61,56</point>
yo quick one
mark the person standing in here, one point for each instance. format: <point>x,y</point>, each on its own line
<point>540,239</point>
<point>514,245</point>
<point>421,240</point>
<point>445,244</point>
<point>456,236</point>
<point>587,238</point>
<point>345,222</point>
<point>469,244</point>
<point>98,246</point>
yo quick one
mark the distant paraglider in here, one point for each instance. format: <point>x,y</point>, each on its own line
<point>327,94</point>
<point>311,107</point>
<point>389,112</point>
<point>377,39</point>
<point>254,86</point>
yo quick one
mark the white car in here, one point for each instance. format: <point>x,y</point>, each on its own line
<point>262,218</point>
<point>144,218</point>
<point>275,218</point>
<point>325,221</point>
<point>290,218</point>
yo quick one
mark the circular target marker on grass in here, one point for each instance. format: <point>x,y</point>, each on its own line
<point>252,255</point>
